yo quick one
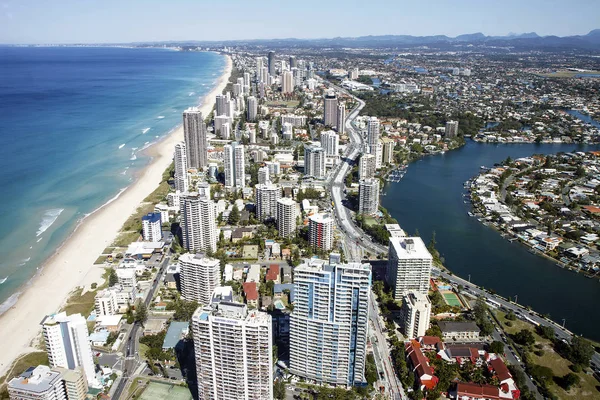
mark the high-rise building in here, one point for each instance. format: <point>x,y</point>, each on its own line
<point>199,276</point>
<point>409,266</point>
<point>152,227</point>
<point>287,82</point>
<point>246,79</point>
<point>373,139</point>
<point>74,380</point>
<point>341,118</point>
<point>181,167</point>
<point>252,108</point>
<point>320,231</point>
<point>330,109</point>
<point>194,132</point>
<point>266,200</point>
<point>235,161</point>
<point>220,122</point>
<point>286,217</point>
<point>259,67</point>
<point>233,350</point>
<point>330,142</point>
<point>388,150</point>
<point>416,311</point>
<point>297,121</point>
<point>287,131</point>
<point>67,344</point>
<point>263,175</point>
<point>353,74</point>
<point>366,166</point>
<point>451,129</point>
<point>314,161</point>
<point>221,101</point>
<point>272,60</point>
<point>39,383</point>
<point>368,196</point>
<point>293,62</point>
<point>105,302</point>
<point>328,327</point>
<point>199,219</point>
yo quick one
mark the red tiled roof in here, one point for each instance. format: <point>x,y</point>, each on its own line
<point>477,391</point>
<point>418,361</point>
<point>500,369</point>
<point>272,273</point>
<point>430,340</point>
<point>592,209</point>
<point>250,291</point>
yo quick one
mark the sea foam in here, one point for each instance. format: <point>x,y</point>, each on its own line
<point>50,216</point>
<point>145,130</point>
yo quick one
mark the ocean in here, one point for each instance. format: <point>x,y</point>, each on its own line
<point>73,124</point>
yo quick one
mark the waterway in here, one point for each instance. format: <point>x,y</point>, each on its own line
<point>430,198</point>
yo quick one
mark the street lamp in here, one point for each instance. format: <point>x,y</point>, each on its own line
<point>563,325</point>
<point>516,299</point>
<point>469,278</point>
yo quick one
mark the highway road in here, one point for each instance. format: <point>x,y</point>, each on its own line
<point>132,360</point>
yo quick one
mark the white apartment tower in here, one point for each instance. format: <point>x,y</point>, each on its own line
<point>451,129</point>
<point>341,118</point>
<point>330,109</point>
<point>366,166</point>
<point>409,266</point>
<point>199,276</point>
<point>67,344</point>
<point>387,154</point>
<point>199,219</point>
<point>252,108</point>
<point>320,231</point>
<point>233,348</point>
<point>286,217</point>
<point>416,311</point>
<point>374,146</point>
<point>328,327</point>
<point>330,142</point>
<point>263,175</point>
<point>287,82</point>
<point>314,161</point>
<point>39,383</point>
<point>152,227</point>
<point>194,132</point>
<point>234,159</point>
<point>368,196</point>
<point>266,200</point>
<point>181,167</point>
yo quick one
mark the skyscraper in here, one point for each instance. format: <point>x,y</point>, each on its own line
<point>451,129</point>
<point>263,175</point>
<point>372,134</point>
<point>409,266</point>
<point>320,231</point>
<point>199,219</point>
<point>330,142</point>
<point>199,276</point>
<point>259,67</point>
<point>266,200</point>
<point>221,101</point>
<point>366,166</point>
<point>194,132</point>
<point>388,151</point>
<point>330,109</point>
<point>286,217</point>
<point>67,344</point>
<point>314,161</point>
<point>252,108</point>
<point>235,161</point>
<point>287,82</point>
<point>272,63</point>
<point>152,227</point>
<point>416,311</point>
<point>368,196</point>
<point>233,350</point>
<point>293,62</point>
<point>181,167</point>
<point>328,327</point>
<point>341,118</point>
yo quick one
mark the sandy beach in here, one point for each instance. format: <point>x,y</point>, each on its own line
<point>72,265</point>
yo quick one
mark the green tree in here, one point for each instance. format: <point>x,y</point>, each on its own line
<point>141,313</point>
<point>112,278</point>
<point>545,331</point>
<point>524,337</point>
<point>279,389</point>
<point>234,216</point>
<point>434,331</point>
<point>581,351</point>
<point>569,380</point>
<point>497,347</point>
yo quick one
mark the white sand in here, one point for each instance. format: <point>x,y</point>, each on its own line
<point>73,264</point>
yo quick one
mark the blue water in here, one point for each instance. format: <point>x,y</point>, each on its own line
<point>73,123</point>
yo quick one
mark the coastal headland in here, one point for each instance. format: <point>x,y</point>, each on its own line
<point>72,265</point>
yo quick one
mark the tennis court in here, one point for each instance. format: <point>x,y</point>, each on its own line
<point>451,299</point>
<point>164,391</point>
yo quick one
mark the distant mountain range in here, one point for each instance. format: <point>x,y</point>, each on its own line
<point>531,40</point>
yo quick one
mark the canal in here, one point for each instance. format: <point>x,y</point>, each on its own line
<point>430,198</point>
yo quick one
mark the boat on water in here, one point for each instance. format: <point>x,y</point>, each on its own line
<point>470,214</point>
<point>3,280</point>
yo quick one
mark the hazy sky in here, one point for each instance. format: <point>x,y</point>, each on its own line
<point>85,21</point>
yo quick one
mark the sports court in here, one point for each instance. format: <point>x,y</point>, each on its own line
<point>165,391</point>
<point>451,298</point>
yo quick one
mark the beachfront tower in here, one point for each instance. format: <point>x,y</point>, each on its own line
<point>328,327</point>
<point>330,109</point>
<point>39,383</point>
<point>368,196</point>
<point>67,344</point>
<point>233,350</point>
<point>409,266</point>
<point>199,223</point>
<point>194,132</point>
<point>199,276</point>
<point>181,167</point>
<point>234,159</point>
<point>286,217</point>
<point>151,227</point>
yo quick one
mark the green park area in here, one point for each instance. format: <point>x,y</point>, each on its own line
<point>164,391</point>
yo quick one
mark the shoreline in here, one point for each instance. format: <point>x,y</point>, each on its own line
<point>72,264</point>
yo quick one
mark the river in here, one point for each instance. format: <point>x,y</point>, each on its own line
<point>429,198</point>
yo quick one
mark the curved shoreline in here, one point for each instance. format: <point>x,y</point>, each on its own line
<point>72,264</point>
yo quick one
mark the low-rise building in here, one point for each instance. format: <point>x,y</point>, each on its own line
<point>459,330</point>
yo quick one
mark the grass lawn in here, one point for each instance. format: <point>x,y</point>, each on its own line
<point>137,384</point>
<point>78,303</point>
<point>586,389</point>
<point>100,260</point>
<point>159,194</point>
<point>21,364</point>
<point>143,349</point>
<point>108,250</point>
<point>370,221</point>
<point>126,238</point>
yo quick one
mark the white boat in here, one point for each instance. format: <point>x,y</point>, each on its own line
<point>3,280</point>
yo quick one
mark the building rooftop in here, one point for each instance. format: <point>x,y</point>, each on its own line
<point>174,334</point>
<point>35,380</point>
<point>410,247</point>
<point>151,217</point>
<point>250,291</point>
<point>272,273</point>
<point>453,326</point>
